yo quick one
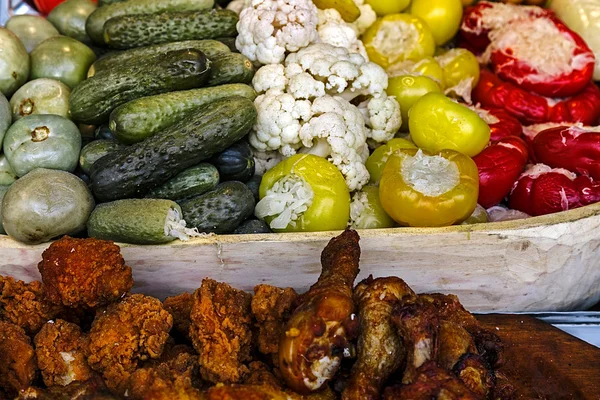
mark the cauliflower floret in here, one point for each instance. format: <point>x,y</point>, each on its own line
<point>327,126</point>
<point>265,160</point>
<point>366,19</point>
<point>383,117</point>
<point>268,29</point>
<point>335,31</point>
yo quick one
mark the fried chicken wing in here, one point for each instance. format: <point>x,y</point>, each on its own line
<point>18,367</point>
<point>132,330</point>
<point>174,377</point>
<point>25,304</point>
<point>180,308</point>
<point>455,342</point>
<point>475,373</point>
<point>271,307</point>
<point>92,389</point>
<point>221,331</point>
<point>262,392</point>
<point>431,383</point>
<point>260,374</point>
<point>450,309</point>
<point>418,327</point>
<point>61,350</point>
<point>84,272</point>
<point>321,328</point>
<point>380,350</point>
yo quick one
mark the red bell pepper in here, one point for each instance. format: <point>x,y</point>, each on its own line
<point>544,190</point>
<point>501,123</point>
<point>574,148</point>
<point>482,18</point>
<point>530,108</point>
<point>500,165</point>
<point>542,55</point>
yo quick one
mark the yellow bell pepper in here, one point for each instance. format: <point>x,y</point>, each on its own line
<point>304,193</point>
<point>442,16</point>
<point>424,189</point>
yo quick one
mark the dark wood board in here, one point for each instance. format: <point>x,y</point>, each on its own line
<point>545,362</point>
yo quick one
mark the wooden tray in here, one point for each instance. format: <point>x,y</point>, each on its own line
<point>545,263</point>
<point>545,362</point>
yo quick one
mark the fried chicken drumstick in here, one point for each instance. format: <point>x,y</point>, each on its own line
<point>321,328</point>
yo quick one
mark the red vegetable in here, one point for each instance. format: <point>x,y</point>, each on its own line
<point>542,55</point>
<point>574,148</point>
<point>501,123</point>
<point>544,190</point>
<point>530,108</point>
<point>500,165</point>
<point>479,20</point>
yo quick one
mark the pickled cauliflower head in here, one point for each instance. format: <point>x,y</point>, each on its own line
<point>269,29</point>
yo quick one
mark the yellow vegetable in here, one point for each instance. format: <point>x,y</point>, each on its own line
<point>386,7</point>
<point>442,16</point>
<point>347,8</point>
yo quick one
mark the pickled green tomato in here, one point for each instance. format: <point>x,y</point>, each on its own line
<point>386,7</point>
<point>31,29</point>
<point>437,123</point>
<point>14,63</point>
<point>366,211</point>
<point>442,16</point>
<point>41,96</point>
<point>407,90</point>
<point>459,65</point>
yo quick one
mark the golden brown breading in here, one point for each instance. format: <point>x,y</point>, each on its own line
<point>127,332</point>
<point>180,308</point>
<point>167,379</point>
<point>61,349</point>
<point>84,272</point>
<point>246,392</point>
<point>17,359</point>
<point>92,389</point>
<point>260,374</point>
<point>25,304</point>
<point>474,373</point>
<point>271,307</point>
<point>221,331</point>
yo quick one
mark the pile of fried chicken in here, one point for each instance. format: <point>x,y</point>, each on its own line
<point>81,334</point>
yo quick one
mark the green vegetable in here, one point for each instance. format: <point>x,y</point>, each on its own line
<point>31,29</point>
<point>138,119</point>
<point>252,226</point>
<point>5,116</point>
<point>95,150</point>
<point>61,58</point>
<point>221,210</point>
<point>229,42</point>
<point>230,68</point>
<point>3,190</point>
<point>42,141</point>
<point>14,63</point>
<point>235,163</point>
<point>93,100</point>
<point>137,169</point>
<point>7,173</point>
<point>41,96</point>
<point>107,2</point>
<point>192,182</point>
<point>69,18</point>
<point>139,221</point>
<point>210,48</point>
<point>45,204</point>
<point>95,22</point>
<point>130,31</point>
<point>254,186</point>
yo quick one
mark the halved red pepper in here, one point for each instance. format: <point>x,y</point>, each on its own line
<point>501,123</point>
<point>499,166</point>
<point>479,20</point>
<point>545,190</point>
<point>560,65</point>
<point>530,108</point>
<point>574,148</point>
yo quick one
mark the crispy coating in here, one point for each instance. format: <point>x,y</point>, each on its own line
<point>180,308</point>
<point>132,330</point>
<point>25,304</point>
<point>92,389</point>
<point>260,374</point>
<point>455,342</point>
<point>61,350</point>
<point>418,327</point>
<point>18,366</point>
<point>174,377</point>
<point>380,349</point>
<point>475,373</point>
<point>321,329</point>
<point>431,383</point>
<point>263,392</point>
<point>449,308</point>
<point>271,307</point>
<point>84,272</point>
<point>221,331</point>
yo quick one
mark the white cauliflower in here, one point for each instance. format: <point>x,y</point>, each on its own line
<point>366,19</point>
<point>335,31</point>
<point>327,126</point>
<point>265,160</point>
<point>268,29</point>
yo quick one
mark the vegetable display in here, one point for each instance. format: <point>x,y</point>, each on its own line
<point>304,115</point>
